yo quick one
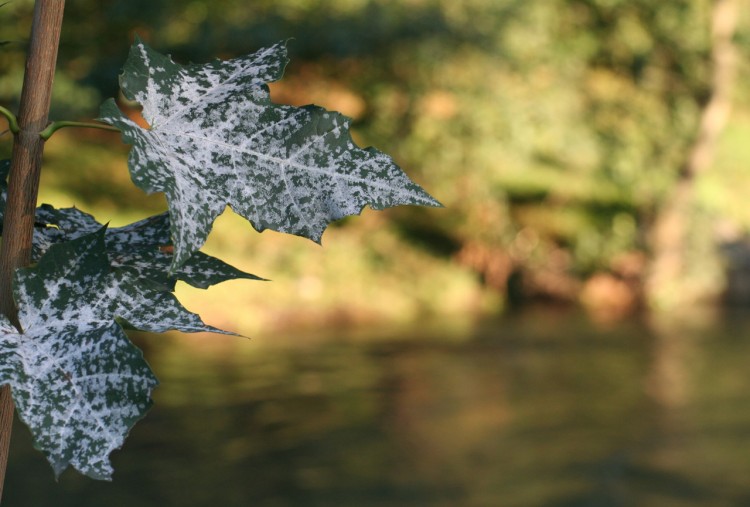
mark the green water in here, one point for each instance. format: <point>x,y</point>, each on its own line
<point>544,409</point>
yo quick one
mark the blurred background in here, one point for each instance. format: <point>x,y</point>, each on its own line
<point>571,329</point>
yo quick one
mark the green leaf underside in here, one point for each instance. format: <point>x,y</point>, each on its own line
<point>216,140</point>
<point>77,381</point>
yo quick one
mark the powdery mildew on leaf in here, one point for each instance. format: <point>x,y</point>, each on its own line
<point>144,248</point>
<point>216,139</point>
<point>77,381</point>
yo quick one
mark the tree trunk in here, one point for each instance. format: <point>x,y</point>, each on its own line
<point>670,231</point>
<point>23,181</point>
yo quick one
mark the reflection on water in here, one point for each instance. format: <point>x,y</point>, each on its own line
<point>544,409</point>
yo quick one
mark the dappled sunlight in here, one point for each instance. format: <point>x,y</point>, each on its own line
<point>565,122</point>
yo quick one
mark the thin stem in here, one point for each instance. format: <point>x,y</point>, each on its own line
<point>23,180</point>
<point>57,125</point>
<point>12,120</point>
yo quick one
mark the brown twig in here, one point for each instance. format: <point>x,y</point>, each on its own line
<point>23,180</point>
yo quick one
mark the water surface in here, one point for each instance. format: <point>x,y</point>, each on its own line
<point>542,409</point>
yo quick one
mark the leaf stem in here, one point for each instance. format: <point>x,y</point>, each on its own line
<point>12,120</point>
<point>57,125</point>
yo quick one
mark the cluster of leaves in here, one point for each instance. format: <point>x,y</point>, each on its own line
<point>214,139</point>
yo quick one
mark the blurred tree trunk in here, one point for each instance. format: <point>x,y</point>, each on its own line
<point>666,283</point>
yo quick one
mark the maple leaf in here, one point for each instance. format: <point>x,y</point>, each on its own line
<point>77,381</point>
<point>143,246</point>
<point>216,139</point>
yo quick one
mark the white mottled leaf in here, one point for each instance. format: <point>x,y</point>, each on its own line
<point>77,381</point>
<point>144,247</point>
<point>215,139</point>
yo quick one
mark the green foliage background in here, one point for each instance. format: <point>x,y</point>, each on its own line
<point>550,129</point>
